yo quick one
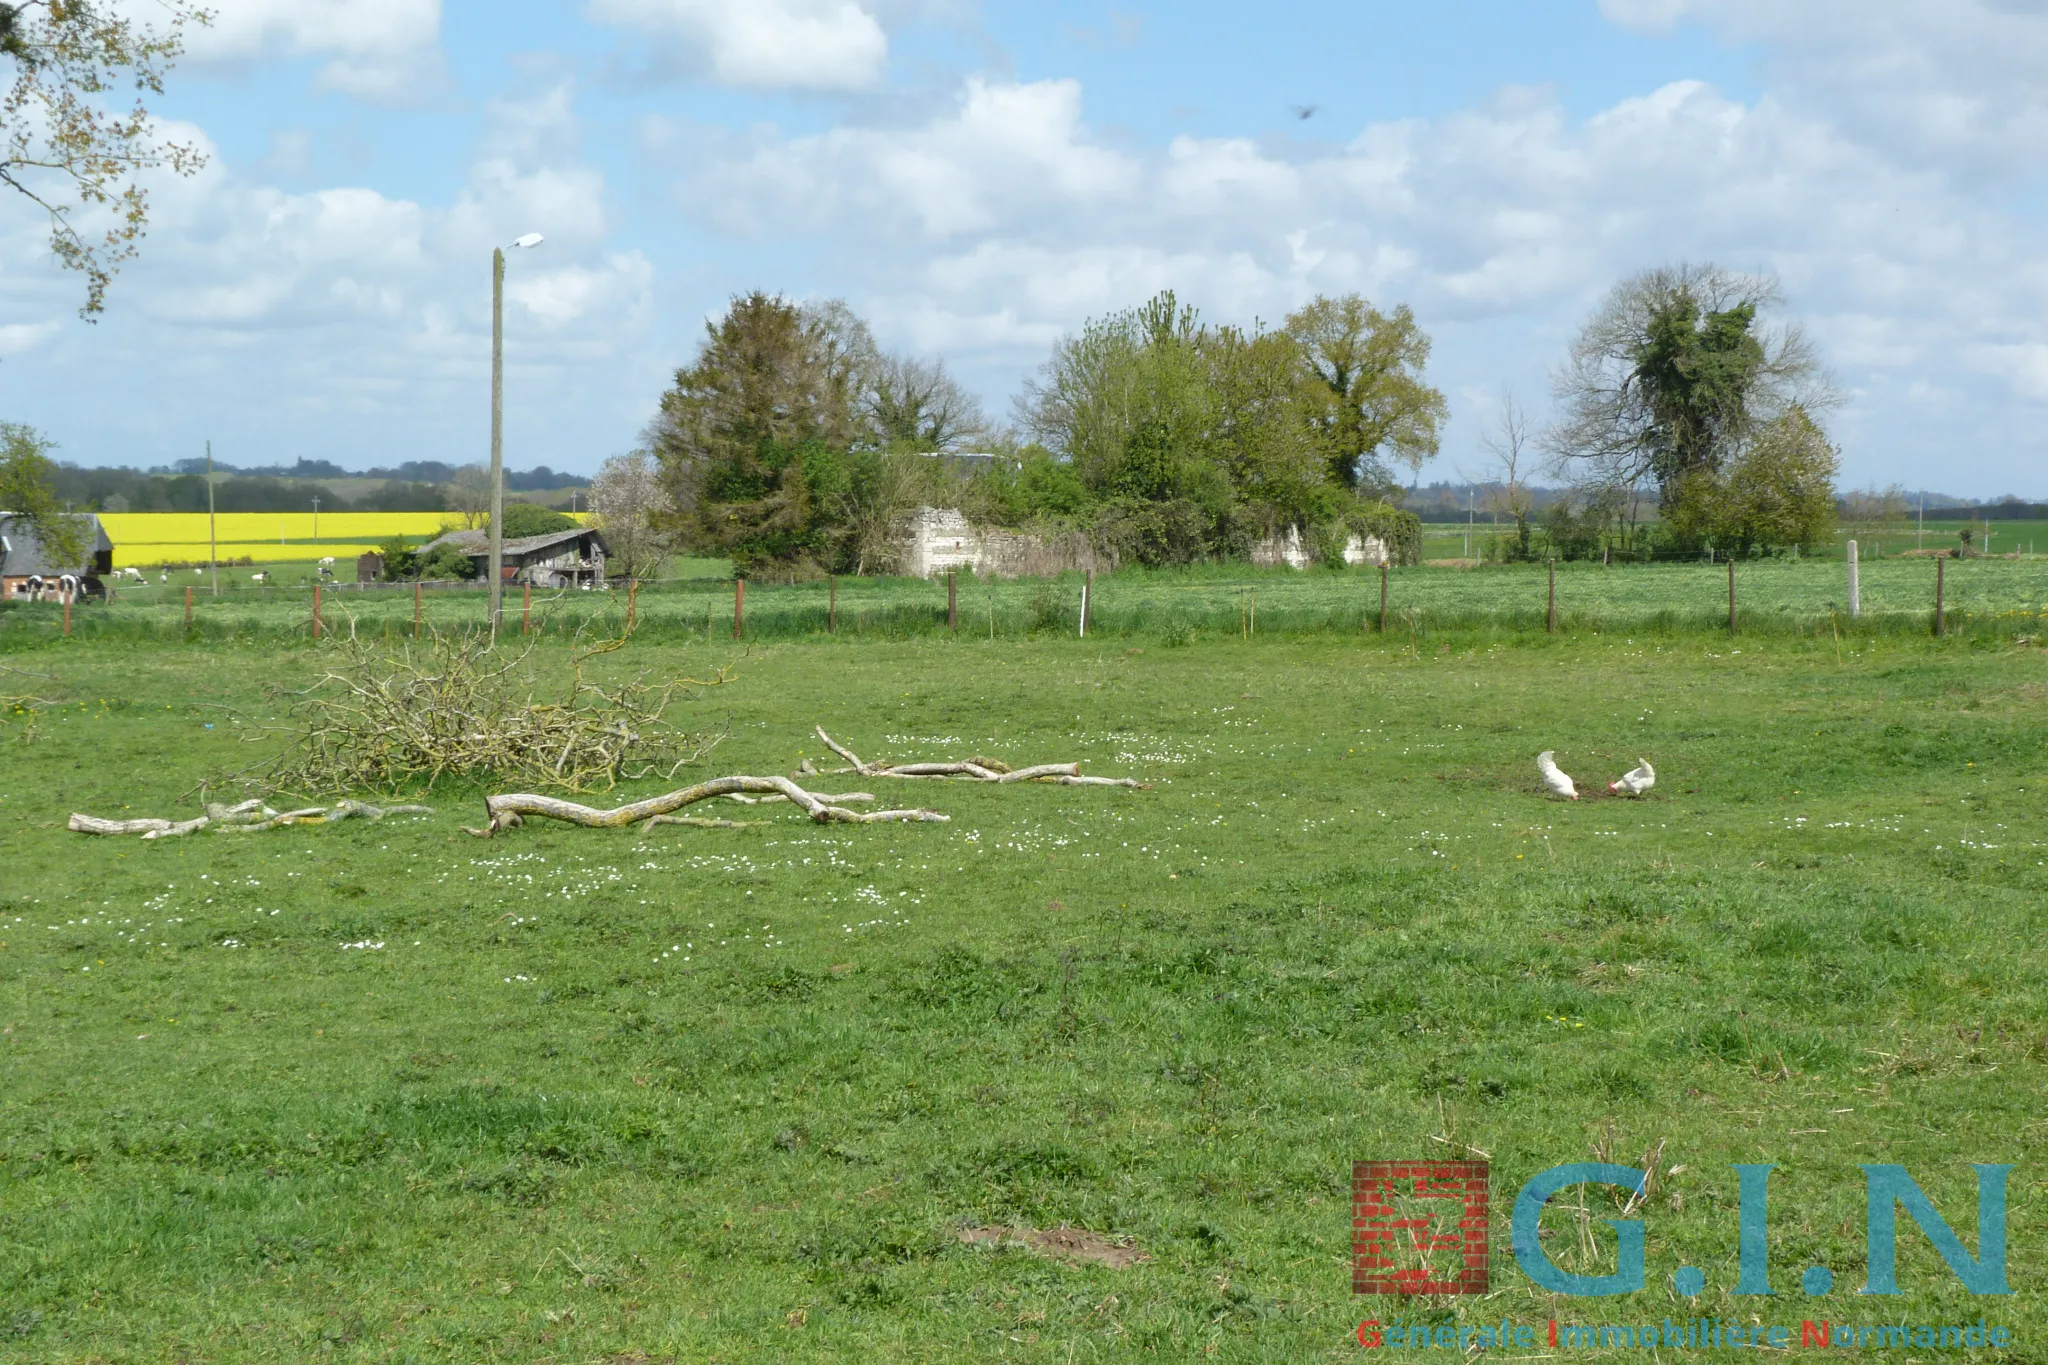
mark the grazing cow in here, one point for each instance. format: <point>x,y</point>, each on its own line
<point>259,578</point>
<point>325,572</point>
<point>67,587</point>
<point>327,563</point>
<point>34,587</point>
<point>163,575</point>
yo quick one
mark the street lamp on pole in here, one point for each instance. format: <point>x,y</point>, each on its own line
<point>497,558</point>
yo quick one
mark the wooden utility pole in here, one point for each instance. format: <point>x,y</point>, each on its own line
<point>739,606</point>
<point>1940,616</point>
<point>526,609</point>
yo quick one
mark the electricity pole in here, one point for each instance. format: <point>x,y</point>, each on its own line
<point>497,556</point>
<point>212,539</point>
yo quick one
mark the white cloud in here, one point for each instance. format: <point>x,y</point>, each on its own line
<point>386,50</point>
<point>1961,85</point>
<point>1001,222</point>
<point>346,322</point>
<point>765,44</point>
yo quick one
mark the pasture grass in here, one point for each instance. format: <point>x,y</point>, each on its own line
<point>1996,599</point>
<point>383,1092</point>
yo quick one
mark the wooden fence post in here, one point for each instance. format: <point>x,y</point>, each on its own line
<point>67,615</point>
<point>832,606</point>
<point>1940,616</point>
<point>1550,611</point>
<point>1731,596</point>
<point>188,608</point>
<point>952,601</point>
<point>1383,599</point>
<point>739,606</point>
<point>316,611</point>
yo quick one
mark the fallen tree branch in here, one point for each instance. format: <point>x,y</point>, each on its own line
<point>246,818</point>
<point>511,809</point>
<point>82,823</point>
<point>699,822</point>
<point>977,770</point>
<point>844,798</point>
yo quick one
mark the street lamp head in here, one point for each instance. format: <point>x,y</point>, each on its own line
<point>530,239</point>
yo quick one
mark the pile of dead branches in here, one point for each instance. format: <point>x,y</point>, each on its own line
<point>386,721</point>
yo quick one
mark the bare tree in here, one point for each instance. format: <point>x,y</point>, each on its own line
<point>472,495</point>
<point>631,507</point>
<point>915,405</point>
<point>1510,442</point>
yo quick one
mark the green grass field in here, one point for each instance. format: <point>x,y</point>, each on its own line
<point>2002,598</point>
<point>387,1093</point>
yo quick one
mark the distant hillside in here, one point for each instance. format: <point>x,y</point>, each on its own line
<point>417,486</point>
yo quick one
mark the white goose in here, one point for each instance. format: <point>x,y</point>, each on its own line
<point>1554,777</point>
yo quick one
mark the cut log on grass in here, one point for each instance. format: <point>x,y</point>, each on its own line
<point>510,809</point>
<point>977,770</point>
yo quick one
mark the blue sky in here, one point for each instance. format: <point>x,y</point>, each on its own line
<point>978,178</point>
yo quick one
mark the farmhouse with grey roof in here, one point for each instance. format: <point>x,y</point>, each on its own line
<point>559,559</point>
<point>24,557</point>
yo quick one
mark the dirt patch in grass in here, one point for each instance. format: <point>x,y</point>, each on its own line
<point>1075,1246</point>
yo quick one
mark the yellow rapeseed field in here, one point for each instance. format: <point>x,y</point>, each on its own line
<point>154,537</point>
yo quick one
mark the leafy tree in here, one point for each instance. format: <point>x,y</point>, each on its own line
<point>1777,492</point>
<point>753,438</point>
<point>62,142</point>
<point>401,561</point>
<point>1192,441</point>
<point>630,506</point>
<point>526,519</point>
<point>1667,382</point>
<point>28,490</point>
<point>1368,401</point>
<point>445,562</point>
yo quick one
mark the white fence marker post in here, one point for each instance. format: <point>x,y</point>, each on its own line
<point>1855,585</point>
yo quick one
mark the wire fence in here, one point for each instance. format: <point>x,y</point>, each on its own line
<point>1898,596</point>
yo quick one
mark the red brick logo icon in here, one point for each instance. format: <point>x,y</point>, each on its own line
<point>1418,1227</point>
